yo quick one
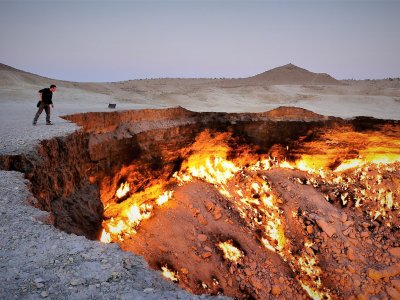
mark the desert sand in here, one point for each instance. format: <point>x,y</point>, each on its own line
<point>288,85</point>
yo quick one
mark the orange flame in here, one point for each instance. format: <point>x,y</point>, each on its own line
<point>123,190</point>
<point>128,220</point>
<point>230,251</point>
<point>105,237</point>
<point>164,198</point>
<point>352,149</point>
<point>171,275</point>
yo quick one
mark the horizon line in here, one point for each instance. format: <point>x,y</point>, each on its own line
<point>198,78</point>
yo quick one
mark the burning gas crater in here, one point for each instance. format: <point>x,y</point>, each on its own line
<point>315,218</point>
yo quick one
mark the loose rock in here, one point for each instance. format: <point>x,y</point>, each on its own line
<point>388,272</point>
<point>202,237</point>
<point>276,290</point>
<point>328,229</point>
<point>394,251</point>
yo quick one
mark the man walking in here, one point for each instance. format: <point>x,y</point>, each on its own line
<point>45,101</point>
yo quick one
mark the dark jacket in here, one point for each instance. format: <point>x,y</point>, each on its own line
<point>47,95</point>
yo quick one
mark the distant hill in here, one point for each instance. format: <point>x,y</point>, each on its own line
<point>11,77</point>
<point>287,74</point>
<point>291,74</point>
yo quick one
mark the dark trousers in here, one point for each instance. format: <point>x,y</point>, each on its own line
<point>46,108</point>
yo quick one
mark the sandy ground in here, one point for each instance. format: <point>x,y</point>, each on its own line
<point>29,268</point>
<point>379,100</point>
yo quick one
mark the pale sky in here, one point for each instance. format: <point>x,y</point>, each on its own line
<point>112,40</point>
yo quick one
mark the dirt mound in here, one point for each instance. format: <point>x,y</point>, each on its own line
<point>288,113</point>
<point>291,74</point>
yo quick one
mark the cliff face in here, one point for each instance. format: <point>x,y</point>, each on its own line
<point>58,175</point>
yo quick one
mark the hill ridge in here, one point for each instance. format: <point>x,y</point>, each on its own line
<point>292,74</point>
<point>286,74</point>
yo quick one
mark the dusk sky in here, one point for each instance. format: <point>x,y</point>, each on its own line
<point>113,40</point>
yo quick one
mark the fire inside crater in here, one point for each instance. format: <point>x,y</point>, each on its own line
<point>284,203</point>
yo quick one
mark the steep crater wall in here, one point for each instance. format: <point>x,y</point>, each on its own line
<point>67,173</point>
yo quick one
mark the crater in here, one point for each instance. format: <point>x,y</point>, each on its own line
<point>251,205</point>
